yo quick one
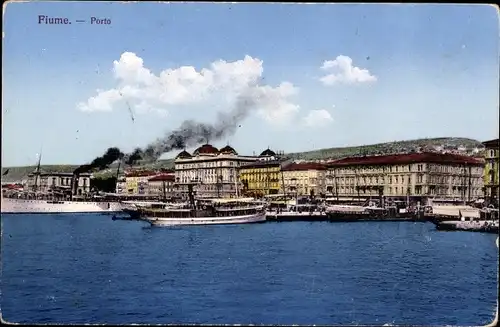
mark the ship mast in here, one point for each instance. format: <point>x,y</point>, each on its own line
<point>37,172</point>
<point>117,175</point>
<point>236,183</point>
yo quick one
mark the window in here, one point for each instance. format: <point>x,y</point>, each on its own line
<point>53,181</point>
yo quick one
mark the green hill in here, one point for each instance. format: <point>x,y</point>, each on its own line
<point>385,148</point>
<point>18,173</point>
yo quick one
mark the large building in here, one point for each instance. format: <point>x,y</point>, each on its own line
<point>262,177</point>
<point>161,185</point>
<point>212,172</point>
<point>305,178</point>
<point>491,169</point>
<point>418,175</point>
<point>61,182</point>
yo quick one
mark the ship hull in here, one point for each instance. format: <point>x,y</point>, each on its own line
<point>297,216</point>
<point>247,219</point>
<point>21,206</point>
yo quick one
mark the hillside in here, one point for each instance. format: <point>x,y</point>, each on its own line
<point>385,148</point>
<point>18,173</point>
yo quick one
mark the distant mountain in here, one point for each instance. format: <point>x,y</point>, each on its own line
<point>18,173</point>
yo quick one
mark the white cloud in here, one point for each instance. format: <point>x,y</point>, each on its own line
<point>104,100</point>
<point>341,70</point>
<point>273,103</point>
<point>184,86</point>
<point>317,118</point>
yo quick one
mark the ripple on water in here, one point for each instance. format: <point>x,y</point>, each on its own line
<point>95,270</point>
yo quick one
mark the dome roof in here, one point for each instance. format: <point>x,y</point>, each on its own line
<point>228,150</point>
<point>206,149</point>
<point>183,155</point>
<point>267,153</point>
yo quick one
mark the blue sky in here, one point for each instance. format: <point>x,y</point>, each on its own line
<point>395,72</point>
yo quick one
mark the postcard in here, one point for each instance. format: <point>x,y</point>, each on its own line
<point>250,163</point>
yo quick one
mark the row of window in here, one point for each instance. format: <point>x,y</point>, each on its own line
<point>208,164</point>
<point>405,191</point>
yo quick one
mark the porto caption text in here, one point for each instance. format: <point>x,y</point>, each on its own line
<point>46,20</point>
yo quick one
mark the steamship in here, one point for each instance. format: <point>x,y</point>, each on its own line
<point>36,202</point>
<point>202,212</point>
<point>24,206</point>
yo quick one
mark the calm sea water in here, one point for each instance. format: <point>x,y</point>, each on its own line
<point>90,269</point>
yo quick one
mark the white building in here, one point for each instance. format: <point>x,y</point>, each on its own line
<point>47,182</point>
<point>305,178</point>
<point>418,175</point>
<point>214,172</point>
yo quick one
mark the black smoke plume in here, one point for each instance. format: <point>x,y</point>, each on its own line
<point>110,156</point>
<point>192,133</point>
<point>189,134</point>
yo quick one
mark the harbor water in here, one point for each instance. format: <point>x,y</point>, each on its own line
<point>91,269</point>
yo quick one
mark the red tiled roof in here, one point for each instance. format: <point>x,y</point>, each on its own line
<point>492,143</point>
<point>228,149</point>
<point>140,174</point>
<point>267,152</point>
<point>409,158</point>
<point>163,177</point>
<point>206,149</point>
<point>304,166</point>
<point>12,186</point>
<point>183,155</point>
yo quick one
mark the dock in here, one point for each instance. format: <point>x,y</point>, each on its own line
<point>469,226</point>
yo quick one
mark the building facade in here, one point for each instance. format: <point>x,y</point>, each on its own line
<point>161,185</point>
<point>262,177</point>
<point>137,182</point>
<point>121,184</point>
<point>305,178</point>
<point>50,181</point>
<point>420,175</point>
<point>491,169</point>
<point>212,172</point>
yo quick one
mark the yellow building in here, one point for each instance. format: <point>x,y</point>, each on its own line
<point>262,177</point>
<point>304,178</point>
<point>491,168</point>
<point>415,175</point>
<point>137,182</point>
